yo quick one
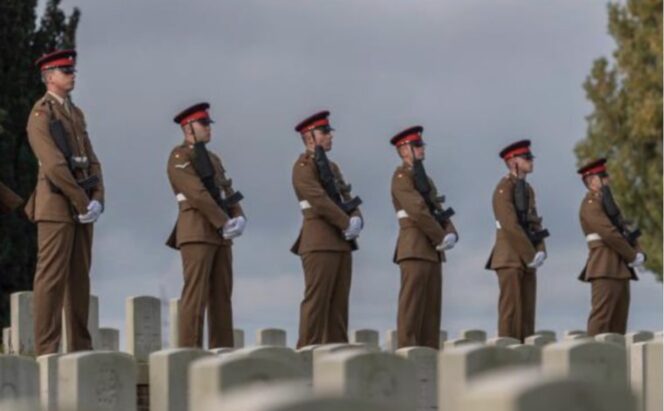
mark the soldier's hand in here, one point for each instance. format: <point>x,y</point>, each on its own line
<point>86,218</point>
<point>638,261</point>
<point>230,229</point>
<point>240,224</point>
<point>449,241</point>
<point>95,208</point>
<point>537,262</point>
<point>354,228</point>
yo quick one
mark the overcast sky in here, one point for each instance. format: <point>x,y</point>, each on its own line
<point>476,74</point>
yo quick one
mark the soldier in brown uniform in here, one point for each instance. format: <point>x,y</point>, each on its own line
<point>9,200</point>
<point>331,223</point>
<point>613,253</point>
<point>519,249</point>
<point>67,200</point>
<point>209,218</point>
<point>425,233</point>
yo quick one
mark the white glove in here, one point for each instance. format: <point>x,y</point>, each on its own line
<point>449,241</point>
<point>537,262</point>
<point>638,261</point>
<point>354,228</point>
<point>94,211</point>
<point>240,224</point>
<point>230,229</point>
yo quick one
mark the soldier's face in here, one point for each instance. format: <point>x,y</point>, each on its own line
<point>525,165</point>
<point>203,131</point>
<point>62,79</point>
<point>324,138</point>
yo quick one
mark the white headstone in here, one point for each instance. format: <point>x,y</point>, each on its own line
<point>546,333</point>
<point>425,361</point>
<point>638,336</point>
<point>375,376</point>
<point>97,380</point>
<point>321,351</point>
<point>213,377</point>
<point>169,384</point>
<point>391,340</point>
<point>22,325</point>
<point>502,341</point>
<point>109,339</point>
<point>7,340</point>
<point>459,365</point>
<point>528,390</point>
<point>143,326</point>
<point>569,333</point>
<point>271,352</point>
<point>539,340</point>
<point>173,322</point>
<point>646,374</point>
<point>288,397</point>
<point>271,336</point>
<point>19,378</point>
<point>365,336</point>
<point>48,381</point>
<point>528,354</point>
<point>221,350</point>
<point>238,338</point>
<point>602,362</point>
<point>442,337</point>
<point>473,335</point>
<point>450,344</point>
<point>612,338</point>
<point>306,355</point>
<point>20,405</point>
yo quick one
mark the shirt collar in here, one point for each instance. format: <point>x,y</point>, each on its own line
<point>56,97</point>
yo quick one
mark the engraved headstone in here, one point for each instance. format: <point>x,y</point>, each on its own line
<point>425,360</point>
<point>22,328</point>
<point>271,336</point>
<point>646,374</point>
<point>19,378</point>
<point>109,339</point>
<point>588,359</point>
<point>143,326</point>
<point>169,384</point>
<point>365,336</point>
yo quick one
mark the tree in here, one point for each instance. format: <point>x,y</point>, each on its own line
<point>22,41</point>
<point>626,124</point>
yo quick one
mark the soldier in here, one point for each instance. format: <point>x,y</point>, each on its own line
<point>209,218</point>
<point>331,223</point>
<point>425,233</point>
<point>68,199</point>
<point>613,252</point>
<point>9,200</point>
<point>519,249</point>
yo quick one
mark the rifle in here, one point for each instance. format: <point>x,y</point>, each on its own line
<point>61,140</point>
<point>424,188</point>
<point>203,166</point>
<point>526,220</point>
<point>327,180</point>
<point>613,212</point>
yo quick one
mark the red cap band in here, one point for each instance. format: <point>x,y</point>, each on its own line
<point>64,62</point>
<point>519,151</point>
<point>198,115</point>
<point>411,138</point>
<point>318,123</point>
<point>595,170</point>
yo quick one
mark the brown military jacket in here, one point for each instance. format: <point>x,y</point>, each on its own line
<point>200,217</point>
<point>512,248</point>
<point>419,232</point>
<point>45,204</point>
<point>323,221</point>
<point>8,200</point>
<point>608,251</point>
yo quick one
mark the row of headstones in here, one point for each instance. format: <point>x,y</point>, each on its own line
<point>572,375</point>
<point>576,374</point>
<point>143,330</point>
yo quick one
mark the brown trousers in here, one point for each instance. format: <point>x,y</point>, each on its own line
<point>418,317</point>
<point>62,278</point>
<point>516,305</point>
<point>208,283</point>
<point>324,309</point>
<point>610,306</point>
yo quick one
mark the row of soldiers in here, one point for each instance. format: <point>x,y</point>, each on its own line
<point>69,198</point>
